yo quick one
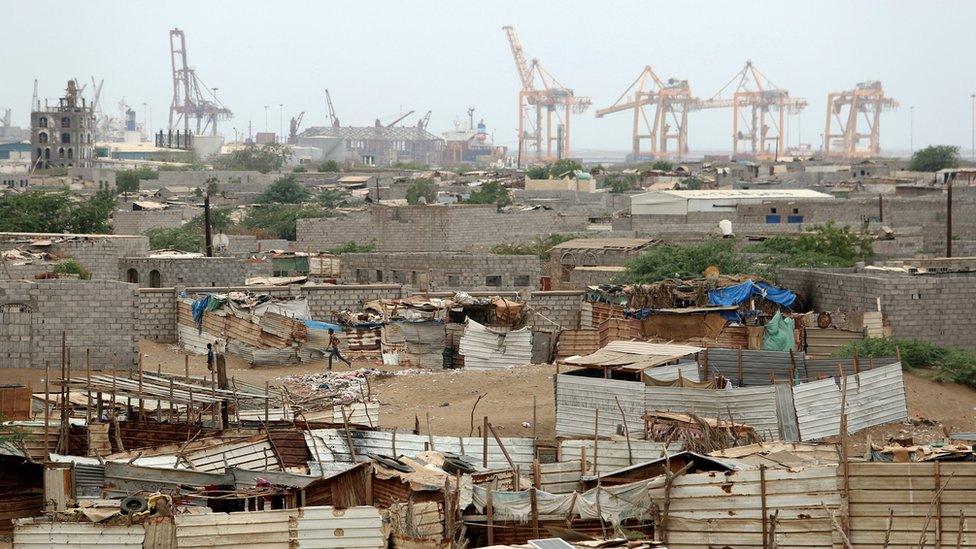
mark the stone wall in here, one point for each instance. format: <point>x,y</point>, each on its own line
<point>98,254</point>
<point>138,222</point>
<point>96,315</point>
<point>456,227</point>
<point>157,314</point>
<point>182,272</point>
<point>935,308</point>
<point>443,271</point>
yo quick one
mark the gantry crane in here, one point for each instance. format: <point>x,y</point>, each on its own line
<point>189,92</point>
<point>671,101</point>
<point>333,119</point>
<point>552,98</point>
<point>759,110</point>
<point>867,99</point>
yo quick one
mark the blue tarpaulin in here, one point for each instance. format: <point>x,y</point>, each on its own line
<point>740,293</point>
<point>319,325</point>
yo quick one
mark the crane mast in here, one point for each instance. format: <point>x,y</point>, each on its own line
<point>848,110</point>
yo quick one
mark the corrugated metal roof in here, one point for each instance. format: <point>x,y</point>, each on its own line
<point>265,529</point>
<point>487,349</point>
<point>31,534</point>
<point>328,527</point>
<point>578,397</point>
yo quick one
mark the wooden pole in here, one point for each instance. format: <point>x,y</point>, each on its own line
<point>937,503</point>
<point>596,437</point>
<point>845,460</point>
<point>508,458</point>
<point>484,440</point>
<point>142,401</point>
<point>267,400</point>
<point>224,384</point>
<point>534,419</point>
<point>534,502</point>
<point>47,410</point>
<point>430,434</point>
<point>630,452</point>
<point>172,411</point>
<point>490,513</point>
<point>88,413</point>
<point>186,369</point>
<point>536,474</point>
<point>740,366</point>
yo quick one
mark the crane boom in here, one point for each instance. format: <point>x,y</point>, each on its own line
<point>525,73</point>
<point>333,119</point>
<point>395,122</point>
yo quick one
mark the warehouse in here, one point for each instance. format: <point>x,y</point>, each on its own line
<point>667,202</point>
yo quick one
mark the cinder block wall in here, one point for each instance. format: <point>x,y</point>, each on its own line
<point>138,222</point>
<point>182,272</point>
<point>443,270</point>
<point>156,319</point>
<point>560,308</point>
<point>938,309</point>
<point>322,300</point>
<point>98,254</point>
<point>96,315</point>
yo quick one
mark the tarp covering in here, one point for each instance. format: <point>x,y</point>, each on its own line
<point>779,334</point>
<point>740,293</point>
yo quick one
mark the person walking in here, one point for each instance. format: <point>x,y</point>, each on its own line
<point>334,349</point>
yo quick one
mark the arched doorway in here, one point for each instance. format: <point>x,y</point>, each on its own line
<point>132,276</point>
<point>155,280</point>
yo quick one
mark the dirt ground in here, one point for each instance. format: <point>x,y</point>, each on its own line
<point>448,396</point>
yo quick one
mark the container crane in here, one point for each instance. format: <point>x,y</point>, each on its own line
<point>333,119</point>
<point>864,103</point>
<point>536,137</point>
<point>759,110</point>
<point>422,123</point>
<point>397,121</point>
<point>670,100</point>
<point>191,97</point>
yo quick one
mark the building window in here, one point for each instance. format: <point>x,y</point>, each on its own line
<point>521,280</point>
<point>772,210</point>
<point>379,275</point>
<point>47,154</point>
<point>454,281</point>
<point>155,280</point>
<point>42,122</point>
<point>362,277</point>
<point>40,153</point>
<point>132,276</point>
<point>71,153</point>
<point>65,122</point>
<point>42,137</point>
<point>796,210</point>
<point>493,281</point>
<point>61,152</point>
<point>399,277</point>
<point>66,138</point>
<point>413,277</point>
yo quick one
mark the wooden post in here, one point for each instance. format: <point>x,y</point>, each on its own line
<point>490,513</point>
<point>189,407</point>
<point>172,405</point>
<point>47,410</point>
<point>705,364</point>
<point>793,371</point>
<point>536,474</point>
<point>221,362</point>
<point>740,366</point>
<point>534,418</point>
<point>430,435</point>
<point>345,425</point>
<point>630,452</point>
<point>267,400</point>
<point>845,461</point>
<point>533,500</point>
<point>88,413</point>
<point>508,458</point>
<point>114,375</point>
<point>142,401</point>
<point>938,505</point>
<point>484,440</point>
<point>762,503</point>
<point>186,368</point>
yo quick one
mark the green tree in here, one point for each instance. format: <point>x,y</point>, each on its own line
<point>127,181</point>
<point>56,212</point>
<point>539,246</point>
<point>689,261</point>
<point>285,190</point>
<point>934,158</point>
<point>563,167</point>
<point>329,166</point>
<point>491,192</point>
<point>422,188</point>
<point>619,183</point>
<point>188,238</point>
<point>662,165</point>
<point>280,220</point>
<point>826,246</point>
<point>693,183</point>
<point>220,219</point>
<point>537,172</point>
<point>353,248</point>
<point>333,198</point>
<point>91,216</point>
<point>70,266</point>
<point>299,169</point>
<point>261,158</point>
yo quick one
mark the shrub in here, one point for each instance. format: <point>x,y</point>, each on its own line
<point>956,364</point>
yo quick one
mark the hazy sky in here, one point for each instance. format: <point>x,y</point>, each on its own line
<point>378,57</point>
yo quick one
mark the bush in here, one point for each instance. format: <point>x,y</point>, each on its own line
<point>127,181</point>
<point>70,266</point>
<point>827,246</point>
<point>56,212</point>
<point>329,166</point>
<point>422,188</point>
<point>538,247</point>
<point>285,190</point>
<point>935,158</point>
<point>353,248</point>
<point>188,238</point>
<point>261,158</point>
<point>280,219</point>
<point>299,169</point>
<point>690,261</point>
<point>956,364</point>
<point>620,183</point>
<point>491,192</point>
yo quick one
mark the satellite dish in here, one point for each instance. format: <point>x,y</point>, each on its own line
<point>221,241</point>
<point>726,227</point>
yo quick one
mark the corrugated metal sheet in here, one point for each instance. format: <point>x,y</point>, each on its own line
<point>493,349</point>
<point>331,449</point>
<point>358,413</point>
<point>756,365</point>
<point>826,342</point>
<point>89,480</point>
<point>562,477</point>
<point>265,529</point>
<point>789,430</point>
<point>328,527</point>
<point>613,454</point>
<point>874,397</point>
<point>688,370</point>
<point>29,534</point>
<point>122,479</point>
<point>578,397</point>
<point>829,367</point>
<point>255,454</point>
<point>423,344</point>
<point>753,406</point>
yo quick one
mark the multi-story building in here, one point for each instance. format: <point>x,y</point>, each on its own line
<point>62,136</point>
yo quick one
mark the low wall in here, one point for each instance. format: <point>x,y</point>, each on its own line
<point>157,314</point>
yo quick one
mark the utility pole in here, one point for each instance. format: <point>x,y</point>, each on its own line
<point>208,237</point>
<point>949,218</point>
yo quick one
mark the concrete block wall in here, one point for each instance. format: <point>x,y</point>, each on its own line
<point>183,272</point>
<point>458,227</point>
<point>556,309</point>
<point>138,222</point>
<point>443,271</point>
<point>322,300</point>
<point>96,315</point>
<point>157,310</point>
<point>98,254</point>
<point>934,308</point>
